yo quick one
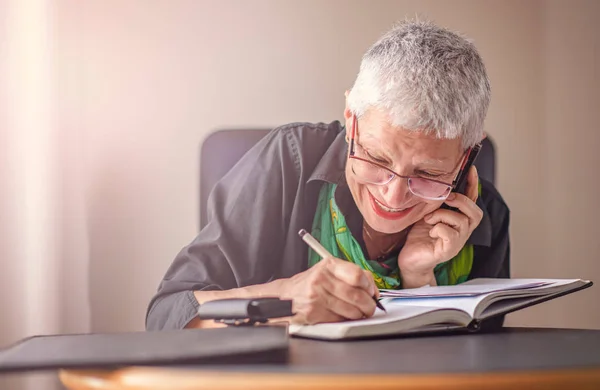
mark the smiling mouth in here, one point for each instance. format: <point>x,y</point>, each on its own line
<point>389,210</point>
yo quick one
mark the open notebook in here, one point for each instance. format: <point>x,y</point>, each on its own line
<point>430,309</point>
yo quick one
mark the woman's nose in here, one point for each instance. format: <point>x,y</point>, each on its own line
<point>396,194</point>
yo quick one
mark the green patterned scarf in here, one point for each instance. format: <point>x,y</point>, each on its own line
<point>330,228</point>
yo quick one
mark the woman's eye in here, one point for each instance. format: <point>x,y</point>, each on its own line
<point>430,174</point>
<point>378,159</point>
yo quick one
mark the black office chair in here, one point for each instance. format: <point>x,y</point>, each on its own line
<point>223,148</point>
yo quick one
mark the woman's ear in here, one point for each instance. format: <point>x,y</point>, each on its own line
<point>347,112</point>
<point>348,117</point>
<point>348,129</point>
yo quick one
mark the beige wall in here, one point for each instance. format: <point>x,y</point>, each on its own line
<point>154,78</point>
<point>571,138</point>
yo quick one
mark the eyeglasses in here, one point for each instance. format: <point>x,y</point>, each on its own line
<point>371,172</point>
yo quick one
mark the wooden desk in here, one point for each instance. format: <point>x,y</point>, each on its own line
<point>515,358</point>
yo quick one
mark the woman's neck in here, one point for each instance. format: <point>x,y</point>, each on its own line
<point>380,245</point>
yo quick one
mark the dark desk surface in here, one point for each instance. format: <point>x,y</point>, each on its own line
<point>511,349</point>
<point>525,353</point>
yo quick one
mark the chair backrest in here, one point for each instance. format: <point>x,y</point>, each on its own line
<point>222,149</point>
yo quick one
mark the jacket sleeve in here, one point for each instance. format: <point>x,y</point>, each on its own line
<point>247,208</point>
<point>494,261</point>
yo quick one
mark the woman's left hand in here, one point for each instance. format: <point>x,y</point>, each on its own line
<point>439,236</point>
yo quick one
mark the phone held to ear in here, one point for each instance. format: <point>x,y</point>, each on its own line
<point>460,184</point>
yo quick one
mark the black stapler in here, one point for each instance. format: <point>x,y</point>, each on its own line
<point>245,312</point>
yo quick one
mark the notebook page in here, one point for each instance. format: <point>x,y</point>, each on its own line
<point>469,289</point>
<point>394,313</point>
<point>469,303</point>
<point>403,318</point>
<point>466,304</point>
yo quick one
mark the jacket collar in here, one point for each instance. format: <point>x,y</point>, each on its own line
<point>331,168</point>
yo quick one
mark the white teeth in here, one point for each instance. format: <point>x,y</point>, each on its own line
<point>387,208</point>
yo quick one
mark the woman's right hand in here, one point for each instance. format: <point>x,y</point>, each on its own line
<point>333,290</point>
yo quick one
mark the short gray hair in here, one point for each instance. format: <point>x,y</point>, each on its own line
<point>426,78</point>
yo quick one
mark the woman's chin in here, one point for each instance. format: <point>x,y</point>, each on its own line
<point>386,226</point>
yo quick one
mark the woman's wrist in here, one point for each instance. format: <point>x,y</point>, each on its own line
<point>417,279</point>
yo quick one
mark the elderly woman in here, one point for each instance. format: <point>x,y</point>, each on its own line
<point>369,189</point>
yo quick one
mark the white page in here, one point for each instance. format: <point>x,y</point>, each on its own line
<point>467,303</point>
<point>488,281</point>
<point>397,320</point>
<point>469,289</point>
<point>394,313</point>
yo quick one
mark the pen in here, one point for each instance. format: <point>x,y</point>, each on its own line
<point>321,251</point>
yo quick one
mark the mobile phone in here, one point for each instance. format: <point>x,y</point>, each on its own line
<point>460,184</point>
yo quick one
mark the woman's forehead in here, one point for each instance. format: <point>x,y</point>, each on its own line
<point>395,141</point>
